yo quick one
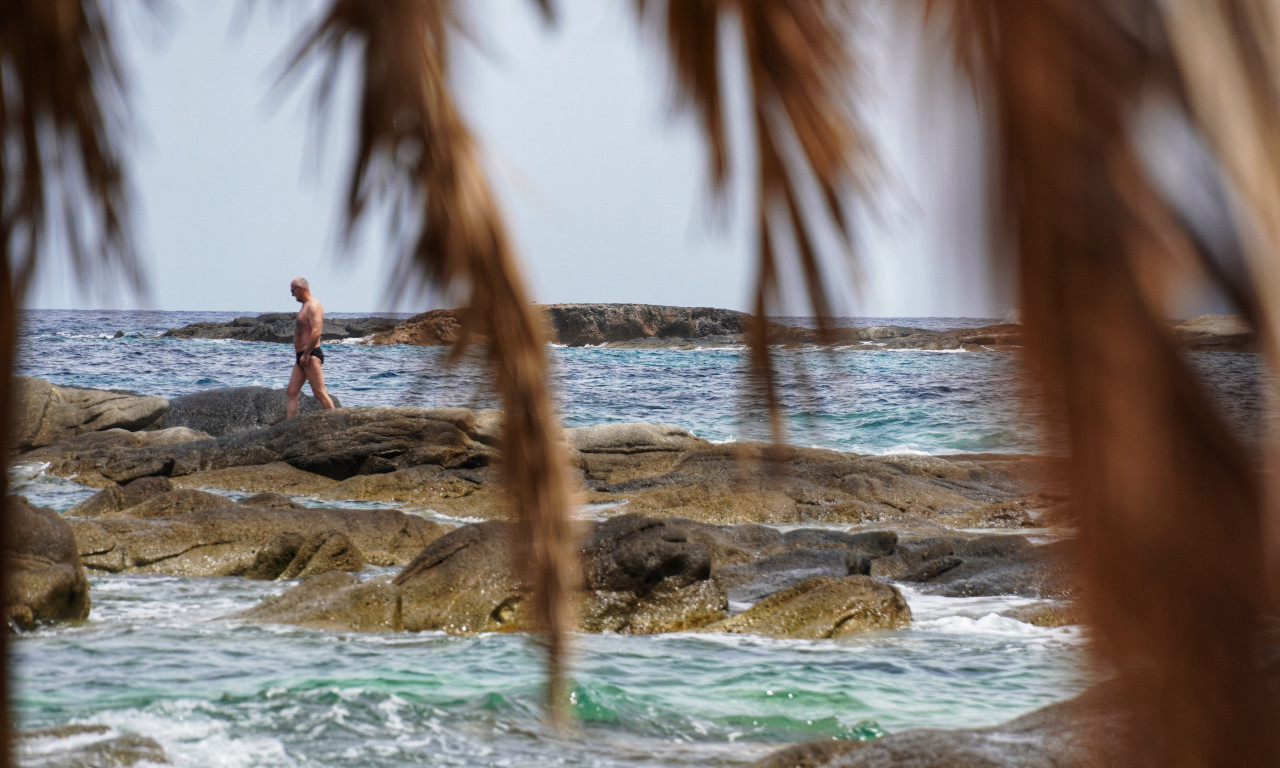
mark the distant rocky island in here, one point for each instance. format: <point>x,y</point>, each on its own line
<point>649,325</point>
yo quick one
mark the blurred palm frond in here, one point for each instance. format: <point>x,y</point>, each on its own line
<point>799,72</point>
<point>62,182</point>
<point>1158,480</point>
<point>414,149</point>
<point>62,114</point>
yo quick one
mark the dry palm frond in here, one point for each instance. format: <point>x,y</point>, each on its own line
<point>799,73</point>
<point>1165,497</point>
<point>414,148</point>
<point>1230,54</point>
<point>61,102</point>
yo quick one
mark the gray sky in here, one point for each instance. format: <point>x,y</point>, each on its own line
<point>603,190</point>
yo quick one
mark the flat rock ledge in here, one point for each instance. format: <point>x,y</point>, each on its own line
<point>149,527</point>
<point>443,459</point>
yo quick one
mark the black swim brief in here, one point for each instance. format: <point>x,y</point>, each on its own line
<point>317,353</point>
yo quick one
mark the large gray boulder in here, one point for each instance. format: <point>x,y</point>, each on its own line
<point>45,579</point>
<point>86,746</point>
<point>46,413</point>
<point>226,411</point>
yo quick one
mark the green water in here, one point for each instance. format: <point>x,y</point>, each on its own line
<point>158,659</point>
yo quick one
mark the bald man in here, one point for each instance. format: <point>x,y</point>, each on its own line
<point>308,357</point>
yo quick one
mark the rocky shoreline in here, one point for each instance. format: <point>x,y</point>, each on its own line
<point>646,325</point>
<point>679,535</point>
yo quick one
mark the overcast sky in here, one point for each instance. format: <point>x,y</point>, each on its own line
<point>603,189</point>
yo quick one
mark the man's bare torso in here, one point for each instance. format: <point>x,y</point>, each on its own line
<point>310,322</point>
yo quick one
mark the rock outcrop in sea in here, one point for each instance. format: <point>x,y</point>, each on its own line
<point>648,325</point>
<point>690,551</point>
<point>279,326</point>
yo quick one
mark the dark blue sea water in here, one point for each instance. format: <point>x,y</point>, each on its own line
<point>866,402</point>
<point>157,658</point>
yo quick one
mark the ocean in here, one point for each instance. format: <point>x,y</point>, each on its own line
<point>157,658</point>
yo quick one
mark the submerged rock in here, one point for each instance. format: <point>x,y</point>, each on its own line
<point>821,608</point>
<point>1084,732</point>
<point>86,746</point>
<point>45,579</point>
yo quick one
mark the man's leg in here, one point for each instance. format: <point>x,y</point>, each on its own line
<point>291,392</point>
<point>315,375</point>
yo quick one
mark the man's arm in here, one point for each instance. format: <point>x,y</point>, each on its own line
<point>316,313</point>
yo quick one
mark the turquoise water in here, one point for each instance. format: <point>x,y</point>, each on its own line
<point>159,657</point>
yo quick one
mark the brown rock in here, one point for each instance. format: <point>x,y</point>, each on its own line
<point>329,551</point>
<point>225,541</point>
<point>118,497</point>
<point>176,502</point>
<point>823,608</point>
<point>45,579</point>
<point>46,413</point>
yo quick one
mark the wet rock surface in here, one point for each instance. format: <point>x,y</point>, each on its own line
<point>86,746</point>
<point>1217,333</point>
<point>442,459</point>
<point>693,548</point>
<point>640,575</point>
<point>1083,732</point>
<point>46,581</point>
<point>821,608</point>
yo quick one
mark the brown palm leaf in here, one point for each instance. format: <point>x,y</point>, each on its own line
<point>799,71</point>
<point>414,149</point>
<point>61,114</point>
<point>1166,500</point>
